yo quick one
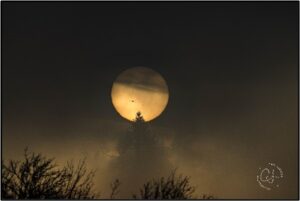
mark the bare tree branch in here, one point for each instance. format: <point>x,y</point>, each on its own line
<point>36,177</point>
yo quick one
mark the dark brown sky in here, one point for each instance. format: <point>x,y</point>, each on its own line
<point>231,69</point>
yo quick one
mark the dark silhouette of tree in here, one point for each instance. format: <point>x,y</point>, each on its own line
<point>37,177</point>
<point>139,118</point>
<point>172,187</point>
<point>136,136</point>
<point>142,155</point>
<point>114,188</point>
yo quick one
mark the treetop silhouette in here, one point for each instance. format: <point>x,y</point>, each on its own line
<point>37,177</point>
<point>139,118</point>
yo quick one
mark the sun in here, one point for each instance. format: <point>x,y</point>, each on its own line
<point>140,89</point>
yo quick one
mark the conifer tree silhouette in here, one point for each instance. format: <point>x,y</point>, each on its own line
<point>142,157</point>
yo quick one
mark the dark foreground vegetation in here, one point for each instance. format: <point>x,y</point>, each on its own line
<point>37,177</point>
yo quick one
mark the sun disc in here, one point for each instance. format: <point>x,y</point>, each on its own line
<point>140,89</point>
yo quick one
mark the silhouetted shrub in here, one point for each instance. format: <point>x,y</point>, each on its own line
<point>37,177</point>
<point>172,187</point>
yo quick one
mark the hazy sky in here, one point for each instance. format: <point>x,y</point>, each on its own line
<point>231,69</point>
